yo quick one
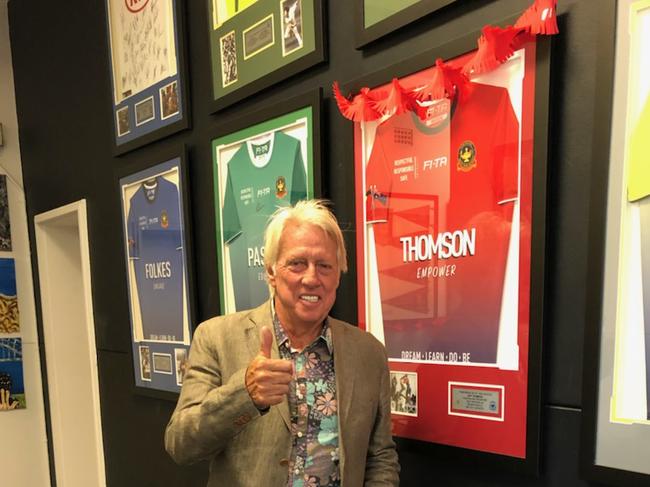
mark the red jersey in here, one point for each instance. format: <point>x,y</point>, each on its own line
<point>440,199</point>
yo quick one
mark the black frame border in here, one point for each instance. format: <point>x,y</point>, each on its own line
<point>539,248</point>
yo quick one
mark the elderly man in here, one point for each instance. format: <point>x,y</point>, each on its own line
<point>283,395</point>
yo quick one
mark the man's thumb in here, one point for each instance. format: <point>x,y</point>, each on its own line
<point>266,340</point>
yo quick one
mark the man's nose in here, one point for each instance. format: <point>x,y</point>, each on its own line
<point>310,276</point>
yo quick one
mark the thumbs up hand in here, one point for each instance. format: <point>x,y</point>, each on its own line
<point>267,380</point>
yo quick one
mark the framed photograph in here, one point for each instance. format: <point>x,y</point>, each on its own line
<point>450,211</point>
<point>147,69</point>
<point>616,393</point>
<point>257,43</point>
<point>9,315</point>
<point>155,220</point>
<point>376,18</point>
<point>267,160</point>
<point>12,386</point>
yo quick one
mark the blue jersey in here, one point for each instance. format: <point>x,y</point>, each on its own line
<point>156,249</point>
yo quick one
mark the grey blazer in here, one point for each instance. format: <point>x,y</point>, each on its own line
<point>216,419</point>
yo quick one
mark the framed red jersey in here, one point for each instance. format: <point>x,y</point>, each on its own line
<point>450,206</point>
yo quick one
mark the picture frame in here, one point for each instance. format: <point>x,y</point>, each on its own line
<point>615,421</point>
<point>268,158</point>
<point>512,440</point>
<point>374,19</point>
<point>158,269</point>
<point>261,44</point>
<point>149,89</point>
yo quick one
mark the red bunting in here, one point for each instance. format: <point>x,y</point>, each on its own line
<point>494,49</point>
<point>397,101</point>
<point>540,18</point>
<point>360,109</point>
<point>445,82</point>
<point>495,46</point>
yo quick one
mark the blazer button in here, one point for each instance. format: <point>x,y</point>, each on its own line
<point>284,462</point>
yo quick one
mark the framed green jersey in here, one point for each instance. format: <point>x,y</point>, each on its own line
<point>266,161</point>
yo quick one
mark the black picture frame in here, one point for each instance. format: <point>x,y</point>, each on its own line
<point>300,118</point>
<point>172,166</point>
<point>607,150</point>
<point>365,35</point>
<point>164,100</point>
<point>458,455</point>
<point>226,94</point>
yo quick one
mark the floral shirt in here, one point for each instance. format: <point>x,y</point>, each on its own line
<point>314,460</point>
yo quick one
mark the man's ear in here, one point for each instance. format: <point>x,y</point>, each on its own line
<point>270,275</point>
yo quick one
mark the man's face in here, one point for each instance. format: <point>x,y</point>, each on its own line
<point>305,277</point>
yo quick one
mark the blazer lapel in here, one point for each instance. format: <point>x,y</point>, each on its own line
<point>259,317</point>
<point>344,368</point>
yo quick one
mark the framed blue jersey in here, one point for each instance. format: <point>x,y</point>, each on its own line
<point>155,241</point>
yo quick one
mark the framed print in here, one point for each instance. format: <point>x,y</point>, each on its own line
<point>12,387</point>
<point>147,68</point>
<point>376,18</point>
<point>257,43</point>
<point>267,160</point>
<point>616,417</point>
<point>155,221</point>
<point>450,210</point>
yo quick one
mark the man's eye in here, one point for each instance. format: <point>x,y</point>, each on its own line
<point>325,266</point>
<point>296,264</point>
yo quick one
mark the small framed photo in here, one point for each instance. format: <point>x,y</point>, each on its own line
<point>291,26</point>
<point>264,161</point>
<point>147,68</point>
<point>257,43</point>
<point>404,393</point>
<point>156,239</point>
<point>180,358</point>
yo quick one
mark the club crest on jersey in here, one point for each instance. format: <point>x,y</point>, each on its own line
<point>164,219</point>
<point>280,187</point>
<point>466,156</point>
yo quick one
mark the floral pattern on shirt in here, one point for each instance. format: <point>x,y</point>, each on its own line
<point>314,460</point>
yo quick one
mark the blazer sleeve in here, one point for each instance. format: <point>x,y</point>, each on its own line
<point>210,410</point>
<point>382,466</point>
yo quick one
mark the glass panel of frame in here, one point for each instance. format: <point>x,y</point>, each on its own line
<point>271,160</point>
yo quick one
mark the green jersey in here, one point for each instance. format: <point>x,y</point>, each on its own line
<point>262,176</point>
<point>638,176</point>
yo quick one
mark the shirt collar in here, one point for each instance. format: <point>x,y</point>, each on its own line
<point>283,339</point>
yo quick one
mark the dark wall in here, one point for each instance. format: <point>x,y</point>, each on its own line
<point>64,111</point>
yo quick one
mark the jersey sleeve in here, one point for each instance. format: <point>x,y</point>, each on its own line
<point>230,215</point>
<point>638,176</point>
<point>132,228</point>
<point>174,211</point>
<point>506,150</point>
<point>298,178</point>
<point>378,182</point>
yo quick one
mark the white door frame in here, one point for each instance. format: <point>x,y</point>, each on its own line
<point>47,225</point>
